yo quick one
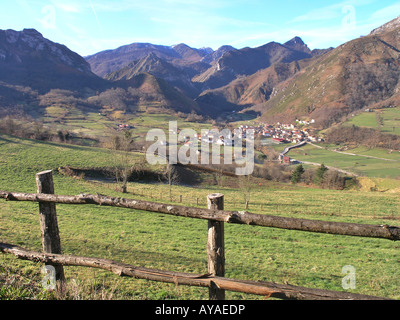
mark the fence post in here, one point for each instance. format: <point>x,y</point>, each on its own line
<point>49,225</point>
<point>216,246</point>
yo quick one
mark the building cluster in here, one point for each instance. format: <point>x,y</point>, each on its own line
<point>278,133</point>
<point>285,133</point>
<point>122,126</point>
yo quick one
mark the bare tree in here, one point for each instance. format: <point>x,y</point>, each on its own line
<point>123,163</point>
<point>172,176</point>
<point>246,186</point>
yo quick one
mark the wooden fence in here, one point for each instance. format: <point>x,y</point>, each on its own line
<point>217,217</point>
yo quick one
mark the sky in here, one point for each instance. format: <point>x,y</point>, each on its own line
<point>91,26</point>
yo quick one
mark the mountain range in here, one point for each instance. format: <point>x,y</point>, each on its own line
<point>278,81</point>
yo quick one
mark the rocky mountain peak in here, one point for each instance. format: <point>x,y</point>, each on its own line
<point>297,44</point>
<point>28,44</point>
<point>391,25</point>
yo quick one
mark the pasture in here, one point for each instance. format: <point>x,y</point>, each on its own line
<point>172,243</point>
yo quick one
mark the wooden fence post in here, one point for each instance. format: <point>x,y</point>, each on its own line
<point>49,225</point>
<point>216,246</point>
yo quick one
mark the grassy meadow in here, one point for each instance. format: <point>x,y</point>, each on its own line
<point>179,244</point>
<point>386,120</point>
<point>100,125</point>
<point>372,163</point>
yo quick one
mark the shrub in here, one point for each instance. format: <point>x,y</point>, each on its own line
<point>297,173</point>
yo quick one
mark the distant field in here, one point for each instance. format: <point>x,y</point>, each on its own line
<point>358,163</point>
<point>389,120</point>
<point>97,125</point>
<point>179,244</point>
<point>365,119</point>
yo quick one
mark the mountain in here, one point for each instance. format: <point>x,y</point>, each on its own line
<point>152,64</point>
<point>297,44</point>
<point>109,61</point>
<point>247,61</point>
<point>391,25</point>
<point>361,73</point>
<point>149,91</point>
<point>256,88</point>
<point>216,55</point>
<point>28,59</point>
<point>36,73</point>
<point>279,81</point>
<point>216,80</point>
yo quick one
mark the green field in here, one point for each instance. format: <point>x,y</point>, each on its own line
<point>362,161</point>
<point>386,120</point>
<point>179,244</point>
<point>94,124</point>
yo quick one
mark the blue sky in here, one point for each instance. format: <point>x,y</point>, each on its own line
<point>90,26</point>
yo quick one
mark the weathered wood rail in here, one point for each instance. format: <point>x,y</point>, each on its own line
<point>217,217</point>
<point>266,289</point>
<point>236,217</point>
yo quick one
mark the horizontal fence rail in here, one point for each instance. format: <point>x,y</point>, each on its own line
<point>266,289</point>
<point>235,217</point>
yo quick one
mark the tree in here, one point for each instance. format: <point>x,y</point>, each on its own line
<point>246,185</point>
<point>123,166</point>
<point>319,174</point>
<point>172,176</point>
<point>334,180</point>
<point>297,173</point>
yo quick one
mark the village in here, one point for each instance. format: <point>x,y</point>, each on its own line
<point>294,135</point>
<point>285,133</point>
<point>276,133</point>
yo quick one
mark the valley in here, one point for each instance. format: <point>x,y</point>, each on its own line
<point>87,118</point>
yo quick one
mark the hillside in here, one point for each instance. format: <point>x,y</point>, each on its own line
<point>150,240</point>
<point>39,77</point>
<point>28,59</point>
<point>363,73</point>
<point>256,88</point>
<point>159,68</point>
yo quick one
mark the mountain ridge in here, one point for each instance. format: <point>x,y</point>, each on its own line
<point>362,73</point>
<point>36,73</point>
<point>279,81</point>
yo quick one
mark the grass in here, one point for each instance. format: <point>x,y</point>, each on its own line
<point>362,162</point>
<point>179,244</point>
<point>364,120</point>
<point>97,125</point>
<point>389,120</point>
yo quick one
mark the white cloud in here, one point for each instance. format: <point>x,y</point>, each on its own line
<point>387,14</point>
<point>332,11</point>
<point>68,7</point>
